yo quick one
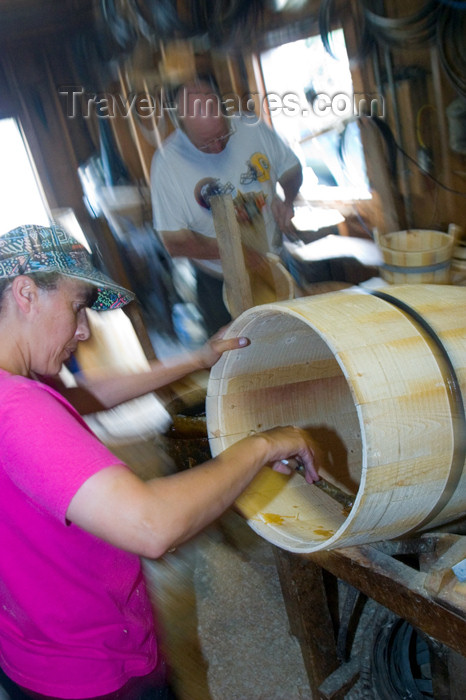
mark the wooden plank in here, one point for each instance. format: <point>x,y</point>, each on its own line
<point>386,199</point>
<point>237,282</point>
<point>340,681</point>
<point>396,586</point>
<point>143,149</point>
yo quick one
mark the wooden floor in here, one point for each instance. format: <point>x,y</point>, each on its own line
<point>223,619</point>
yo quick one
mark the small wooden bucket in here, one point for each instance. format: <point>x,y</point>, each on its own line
<point>379,379</point>
<point>416,256</point>
<point>458,261</point>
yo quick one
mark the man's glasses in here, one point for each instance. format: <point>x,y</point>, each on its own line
<point>220,139</point>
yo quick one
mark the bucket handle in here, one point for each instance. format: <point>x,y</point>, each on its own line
<point>455,231</point>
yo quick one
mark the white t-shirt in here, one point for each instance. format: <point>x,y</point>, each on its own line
<point>183,177</point>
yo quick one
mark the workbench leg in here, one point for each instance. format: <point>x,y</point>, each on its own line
<point>308,611</point>
<point>448,672</point>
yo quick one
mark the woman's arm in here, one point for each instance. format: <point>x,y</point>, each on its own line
<point>149,518</point>
<point>101,390</point>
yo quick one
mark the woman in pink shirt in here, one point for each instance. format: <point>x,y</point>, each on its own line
<point>75,616</point>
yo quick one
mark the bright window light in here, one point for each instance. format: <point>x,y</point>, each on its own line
<point>20,195</point>
<point>312,107</point>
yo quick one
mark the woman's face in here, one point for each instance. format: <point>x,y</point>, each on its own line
<point>60,324</point>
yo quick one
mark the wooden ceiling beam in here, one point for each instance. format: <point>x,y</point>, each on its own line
<point>22,20</point>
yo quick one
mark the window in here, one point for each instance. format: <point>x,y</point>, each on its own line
<point>20,195</point>
<point>312,107</point>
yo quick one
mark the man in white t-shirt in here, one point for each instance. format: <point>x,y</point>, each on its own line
<point>210,153</point>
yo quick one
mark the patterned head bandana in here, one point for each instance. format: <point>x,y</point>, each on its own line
<point>29,248</point>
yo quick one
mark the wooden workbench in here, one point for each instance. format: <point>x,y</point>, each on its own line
<point>412,578</point>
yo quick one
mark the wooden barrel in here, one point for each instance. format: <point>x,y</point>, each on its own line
<point>416,256</point>
<point>273,283</point>
<point>379,380</point>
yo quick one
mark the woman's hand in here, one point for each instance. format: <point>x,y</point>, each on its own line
<point>292,443</point>
<point>216,346</point>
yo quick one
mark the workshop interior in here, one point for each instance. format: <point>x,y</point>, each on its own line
<point>355,586</point>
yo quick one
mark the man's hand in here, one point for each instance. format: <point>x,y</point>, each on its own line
<point>283,213</point>
<point>290,182</point>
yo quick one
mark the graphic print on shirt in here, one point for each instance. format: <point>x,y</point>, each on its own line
<point>208,187</point>
<point>258,169</point>
<point>248,204</point>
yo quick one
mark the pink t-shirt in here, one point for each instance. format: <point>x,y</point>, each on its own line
<point>75,617</point>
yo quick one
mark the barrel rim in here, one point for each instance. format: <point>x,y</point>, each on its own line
<point>449,241</point>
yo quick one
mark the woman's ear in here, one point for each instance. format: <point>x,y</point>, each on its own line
<point>24,291</point>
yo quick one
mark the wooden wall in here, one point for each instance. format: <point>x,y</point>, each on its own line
<point>32,72</point>
<point>31,75</point>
